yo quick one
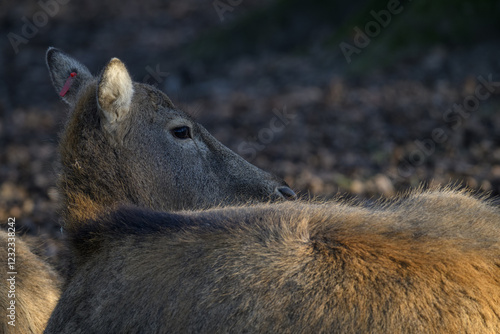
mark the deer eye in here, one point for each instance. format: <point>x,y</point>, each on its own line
<point>182,132</point>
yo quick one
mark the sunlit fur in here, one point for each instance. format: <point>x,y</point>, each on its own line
<point>37,289</point>
<point>427,262</point>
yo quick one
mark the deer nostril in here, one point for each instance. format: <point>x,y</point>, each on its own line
<point>286,193</point>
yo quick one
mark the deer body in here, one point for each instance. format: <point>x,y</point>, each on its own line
<point>30,288</point>
<point>428,263</point>
<point>126,143</point>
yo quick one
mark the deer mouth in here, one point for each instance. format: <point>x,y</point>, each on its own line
<point>285,193</point>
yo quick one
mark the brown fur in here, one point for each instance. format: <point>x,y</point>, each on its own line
<point>87,190</point>
<point>36,289</point>
<point>115,149</point>
<point>428,263</point>
<point>425,263</point>
<point>118,147</point>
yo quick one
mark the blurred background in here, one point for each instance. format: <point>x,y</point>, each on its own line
<point>375,96</point>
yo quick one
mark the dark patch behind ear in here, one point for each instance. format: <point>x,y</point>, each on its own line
<point>127,222</point>
<point>60,66</point>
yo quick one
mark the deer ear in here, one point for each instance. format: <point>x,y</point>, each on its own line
<point>67,74</point>
<point>114,93</point>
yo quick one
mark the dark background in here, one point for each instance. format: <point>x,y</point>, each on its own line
<point>362,127</point>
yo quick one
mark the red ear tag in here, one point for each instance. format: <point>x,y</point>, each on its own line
<point>67,84</point>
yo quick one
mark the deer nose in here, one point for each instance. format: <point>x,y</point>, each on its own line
<point>286,193</point>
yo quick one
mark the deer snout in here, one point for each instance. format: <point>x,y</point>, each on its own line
<point>286,193</point>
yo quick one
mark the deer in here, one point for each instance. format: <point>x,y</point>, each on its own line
<point>126,143</point>
<point>143,152</point>
<point>428,262</point>
<point>30,286</point>
<point>422,262</point>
